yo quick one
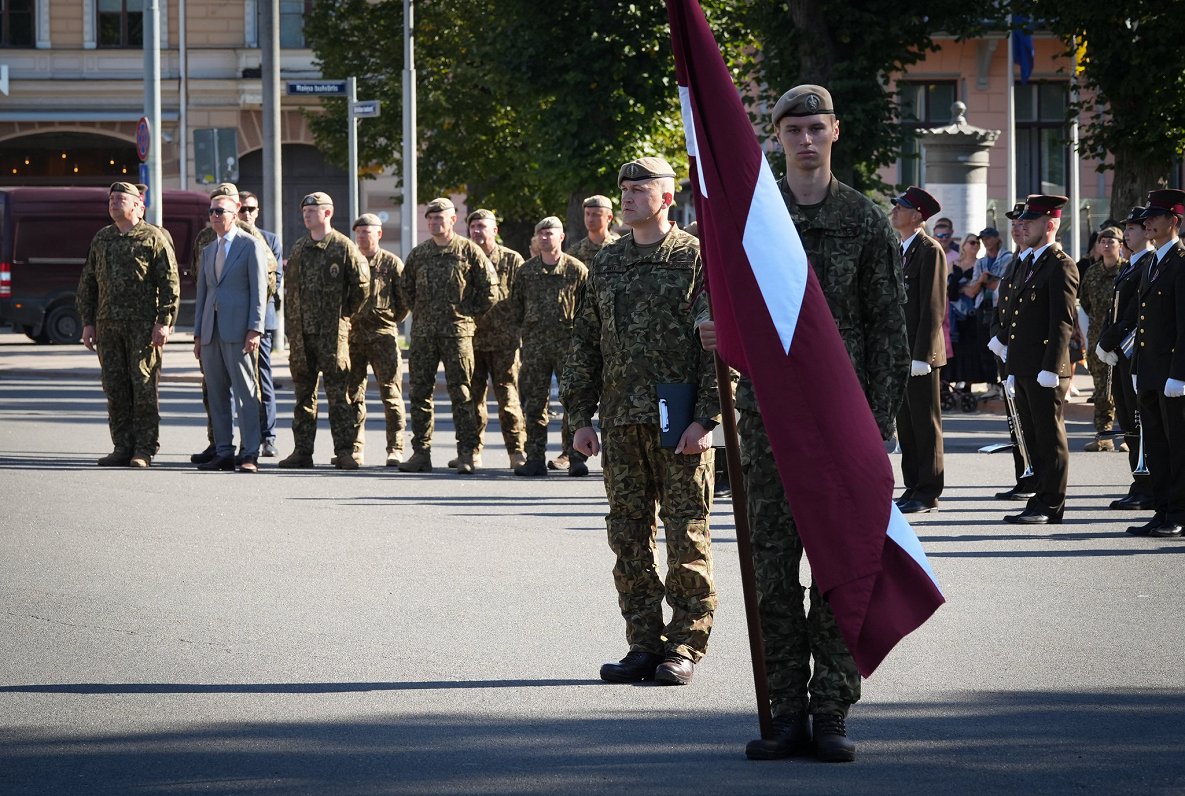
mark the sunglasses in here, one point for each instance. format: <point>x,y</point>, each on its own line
<point>249,209</point>
<point>220,211</point>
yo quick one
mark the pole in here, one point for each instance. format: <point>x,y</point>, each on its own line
<point>183,99</point>
<point>352,139</point>
<point>732,450</point>
<point>1075,163</point>
<point>407,216</point>
<point>1011,119</point>
<point>152,107</point>
<point>269,39</point>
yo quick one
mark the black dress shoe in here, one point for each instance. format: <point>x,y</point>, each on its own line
<point>1033,517</point>
<point>1133,503</point>
<point>1168,530</point>
<point>204,456</point>
<point>219,463</point>
<point>633,668</point>
<point>791,736</point>
<point>248,464</point>
<point>1016,493</point>
<point>1158,519</point>
<point>674,670</point>
<point>906,496</point>
<point>916,506</point>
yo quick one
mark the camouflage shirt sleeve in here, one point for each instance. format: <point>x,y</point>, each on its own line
<point>482,287</point>
<point>357,279</point>
<point>86,300</point>
<point>580,382</point>
<point>167,282</point>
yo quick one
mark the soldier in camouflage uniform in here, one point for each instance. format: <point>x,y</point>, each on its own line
<point>128,297</point>
<point>855,255</point>
<point>327,280</point>
<point>496,344</point>
<point>449,281</point>
<point>374,337</point>
<point>1097,295</point>
<point>204,238</point>
<point>543,304</point>
<point>634,331</point>
<point>598,215</point>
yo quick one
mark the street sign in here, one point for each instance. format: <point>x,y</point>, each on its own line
<point>317,88</point>
<point>144,181</point>
<point>366,109</point>
<point>143,138</point>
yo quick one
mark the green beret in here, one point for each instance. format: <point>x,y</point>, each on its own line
<point>551,222</point>
<point>1114,233</point>
<point>225,189</point>
<point>440,205</point>
<point>598,201</point>
<point>477,215</point>
<point>316,198</point>
<point>367,220</point>
<point>806,100</point>
<point>645,169</point>
<point>124,187</point>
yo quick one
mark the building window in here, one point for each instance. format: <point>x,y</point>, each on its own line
<point>921,106</point>
<point>121,23</point>
<point>16,23</point>
<point>292,16</point>
<point>1042,153</point>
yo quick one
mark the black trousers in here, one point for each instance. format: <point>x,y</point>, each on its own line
<point>919,430</point>
<point>1023,483</point>
<point>1164,448</point>
<point>1126,407</point>
<point>1041,420</point>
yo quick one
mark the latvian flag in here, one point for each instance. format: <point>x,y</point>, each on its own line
<point>773,324</point>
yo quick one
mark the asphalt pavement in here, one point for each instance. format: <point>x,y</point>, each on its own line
<point>173,631</point>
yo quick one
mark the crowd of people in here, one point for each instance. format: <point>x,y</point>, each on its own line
<point>621,319</point>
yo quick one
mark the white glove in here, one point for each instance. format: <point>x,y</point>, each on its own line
<point>998,348</point>
<point>1047,378</point>
<point>1110,357</point>
<point>917,368</point>
<point>1174,388</point>
<point>1010,386</point>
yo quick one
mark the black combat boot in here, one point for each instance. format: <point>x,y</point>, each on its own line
<point>633,668</point>
<point>832,744</point>
<point>791,736</point>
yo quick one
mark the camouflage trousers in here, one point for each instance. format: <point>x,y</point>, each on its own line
<point>130,371</point>
<point>540,361</point>
<point>308,359</point>
<point>792,636</point>
<point>381,353</point>
<point>641,476</point>
<point>1103,378</point>
<point>501,367</point>
<point>457,354</point>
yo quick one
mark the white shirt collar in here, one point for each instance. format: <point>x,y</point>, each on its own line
<point>1136,256</point>
<point>1024,253</point>
<point>1163,250</point>
<point>1038,252</point>
<point>905,243</point>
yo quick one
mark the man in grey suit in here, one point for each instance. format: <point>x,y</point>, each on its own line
<point>228,324</point>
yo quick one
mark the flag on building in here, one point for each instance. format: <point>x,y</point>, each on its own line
<point>774,325</point>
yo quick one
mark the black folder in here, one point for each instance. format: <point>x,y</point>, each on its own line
<point>676,410</point>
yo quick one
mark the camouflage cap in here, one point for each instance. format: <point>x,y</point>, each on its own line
<point>477,215</point>
<point>440,205</point>
<point>648,168</point>
<point>367,220</point>
<point>805,100</point>
<point>1114,233</point>
<point>124,187</point>
<point>598,201</point>
<point>316,198</point>
<point>550,222</point>
<point>225,189</point>
<point>142,188</point>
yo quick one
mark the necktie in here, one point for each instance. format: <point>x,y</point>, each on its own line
<point>219,259</point>
<point>1154,270</point>
<point>1027,262</point>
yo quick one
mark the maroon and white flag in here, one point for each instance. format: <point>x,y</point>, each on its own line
<point>773,324</point>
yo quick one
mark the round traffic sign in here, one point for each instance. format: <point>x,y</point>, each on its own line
<point>143,138</point>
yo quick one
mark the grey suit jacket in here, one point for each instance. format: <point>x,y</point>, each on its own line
<point>227,308</point>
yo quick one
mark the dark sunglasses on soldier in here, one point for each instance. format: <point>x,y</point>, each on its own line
<point>220,211</point>
<point>249,209</point>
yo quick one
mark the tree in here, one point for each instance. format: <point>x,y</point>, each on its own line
<point>1133,87</point>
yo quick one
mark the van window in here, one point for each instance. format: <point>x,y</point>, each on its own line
<point>60,239</point>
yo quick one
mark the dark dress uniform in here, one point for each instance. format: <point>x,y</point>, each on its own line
<point>1127,289</point>
<point>1159,355</point>
<point>1040,322</point>
<point>919,420</point>
<point>1001,320</point>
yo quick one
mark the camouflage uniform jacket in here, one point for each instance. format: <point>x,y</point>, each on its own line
<point>857,260</point>
<point>1097,296</point>
<point>386,304</point>
<point>585,250</point>
<point>634,330</point>
<point>447,286</point>
<point>326,281</point>
<point>543,301</point>
<point>495,329</point>
<point>207,235</point>
<point>129,276</point>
